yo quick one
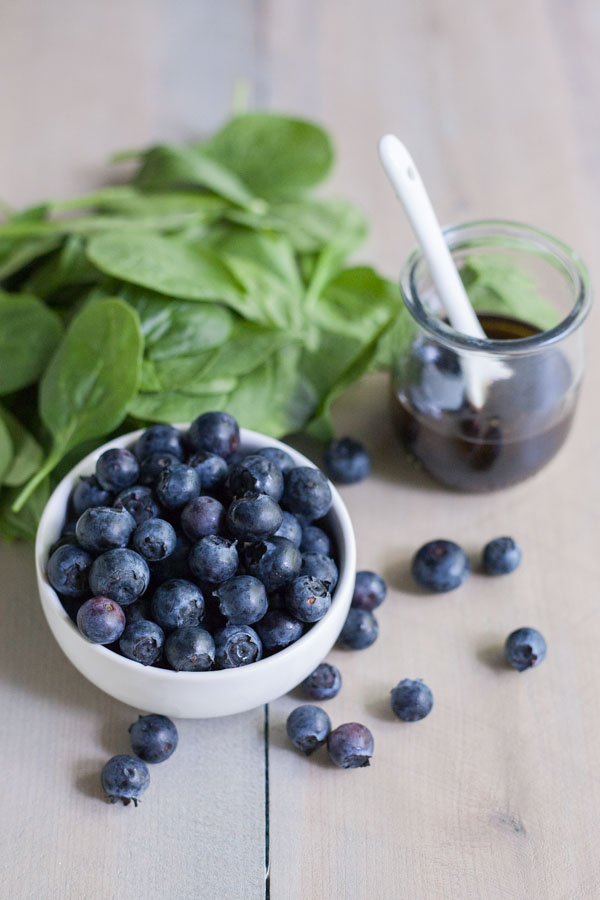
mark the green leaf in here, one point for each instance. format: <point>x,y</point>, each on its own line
<point>173,406</point>
<point>22,524</point>
<point>27,454</point>
<point>275,156</point>
<point>91,379</point>
<point>29,332</point>
<point>66,267</point>
<point>6,450</point>
<point>18,251</point>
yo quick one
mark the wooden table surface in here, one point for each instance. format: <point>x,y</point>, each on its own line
<point>497,793</point>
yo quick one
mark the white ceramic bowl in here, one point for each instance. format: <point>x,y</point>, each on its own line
<point>196,695</point>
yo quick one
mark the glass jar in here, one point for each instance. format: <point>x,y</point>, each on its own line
<point>531,293</point>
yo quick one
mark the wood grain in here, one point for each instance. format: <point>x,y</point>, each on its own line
<point>497,794</point>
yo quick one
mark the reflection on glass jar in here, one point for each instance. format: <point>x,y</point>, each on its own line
<point>531,294</point>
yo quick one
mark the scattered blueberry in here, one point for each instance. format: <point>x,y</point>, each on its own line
<point>142,640</point>
<point>411,700</point>
<point>501,556</point>
<point>255,474</point>
<point>347,461</point>
<point>308,727</point>
<point>217,432</point>
<point>177,485</point>
<point>102,528</point>
<point>116,469</point>
<point>87,493</point>
<point>369,590</point>
<point>242,600</point>
<point>360,630</point>
<point>525,648</point>
<point>307,493</point>
<point>177,602</point>
<point>314,540</point>
<point>317,565</point>
<point>278,630</point>
<point>122,575</point>
<point>236,645</point>
<point>324,683</point>
<point>151,466</point>
<point>290,528</point>
<point>100,620</point>
<point>154,539</point>
<point>253,517</point>
<point>440,566</point>
<point>350,746</point>
<point>214,559</point>
<point>139,503</point>
<point>281,458</point>
<point>190,649</point>
<point>68,570</point>
<point>125,778</point>
<point>275,561</point>
<point>201,516</point>
<point>210,468</point>
<point>160,439</point>
<point>153,738</point>
<point>307,599</point>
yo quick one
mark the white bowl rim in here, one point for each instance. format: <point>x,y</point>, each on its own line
<point>214,675</point>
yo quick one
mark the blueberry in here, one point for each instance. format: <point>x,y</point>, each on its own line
<point>201,516</point>
<point>254,517</point>
<point>153,738</point>
<point>317,565</point>
<point>176,564</point>
<point>360,630</point>
<point>255,474</point>
<point>177,485</point>
<point>177,602</point>
<point>308,727</point>
<point>116,469</point>
<point>217,432</point>
<point>139,502</point>
<point>278,630</point>
<point>154,539</point>
<point>87,493</point>
<point>142,641</point>
<point>347,461</point>
<point>190,649</point>
<point>138,610</point>
<point>501,556</point>
<point>159,439</point>
<point>350,746</point>
<point>324,683</point>
<point>307,599</point>
<point>122,575</point>
<point>210,468</point>
<point>411,700</point>
<point>281,459</point>
<point>125,778</point>
<point>369,590</point>
<point>440,566</point>
<point>68,570</point>
<point>67,536</point>
<point>102,528</point>
<point>275,561</point>
<point>151,466</point>
<point>100,620</point>
<point>236,645</point>
<point>290,528</point>
<point>307,493</point>
<point>525,648</point>
<point>214,559</point>
<point>314,540</point>
<point>242,600</point>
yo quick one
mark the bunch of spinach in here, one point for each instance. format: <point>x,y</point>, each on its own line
<point>214,279</point>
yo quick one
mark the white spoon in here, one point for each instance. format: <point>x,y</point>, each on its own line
<point>405,178</point>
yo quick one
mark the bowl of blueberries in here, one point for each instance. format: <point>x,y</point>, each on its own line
<point>195,571</point>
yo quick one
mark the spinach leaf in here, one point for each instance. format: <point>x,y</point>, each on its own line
<point>173,406</point>
<point>26,454</point>
<point>6,450</point>
<point>29,332</point>
<point>275,156</point>
<point>91,379</point>
<point>67,267</point>
<point>22,524</point>
<point>18,251</point>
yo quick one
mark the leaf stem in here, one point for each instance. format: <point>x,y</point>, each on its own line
<point>51,463</point>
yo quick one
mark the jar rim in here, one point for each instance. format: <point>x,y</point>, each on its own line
<point>556,251</point>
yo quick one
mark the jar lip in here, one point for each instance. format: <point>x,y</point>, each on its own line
<point>559,253</point>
